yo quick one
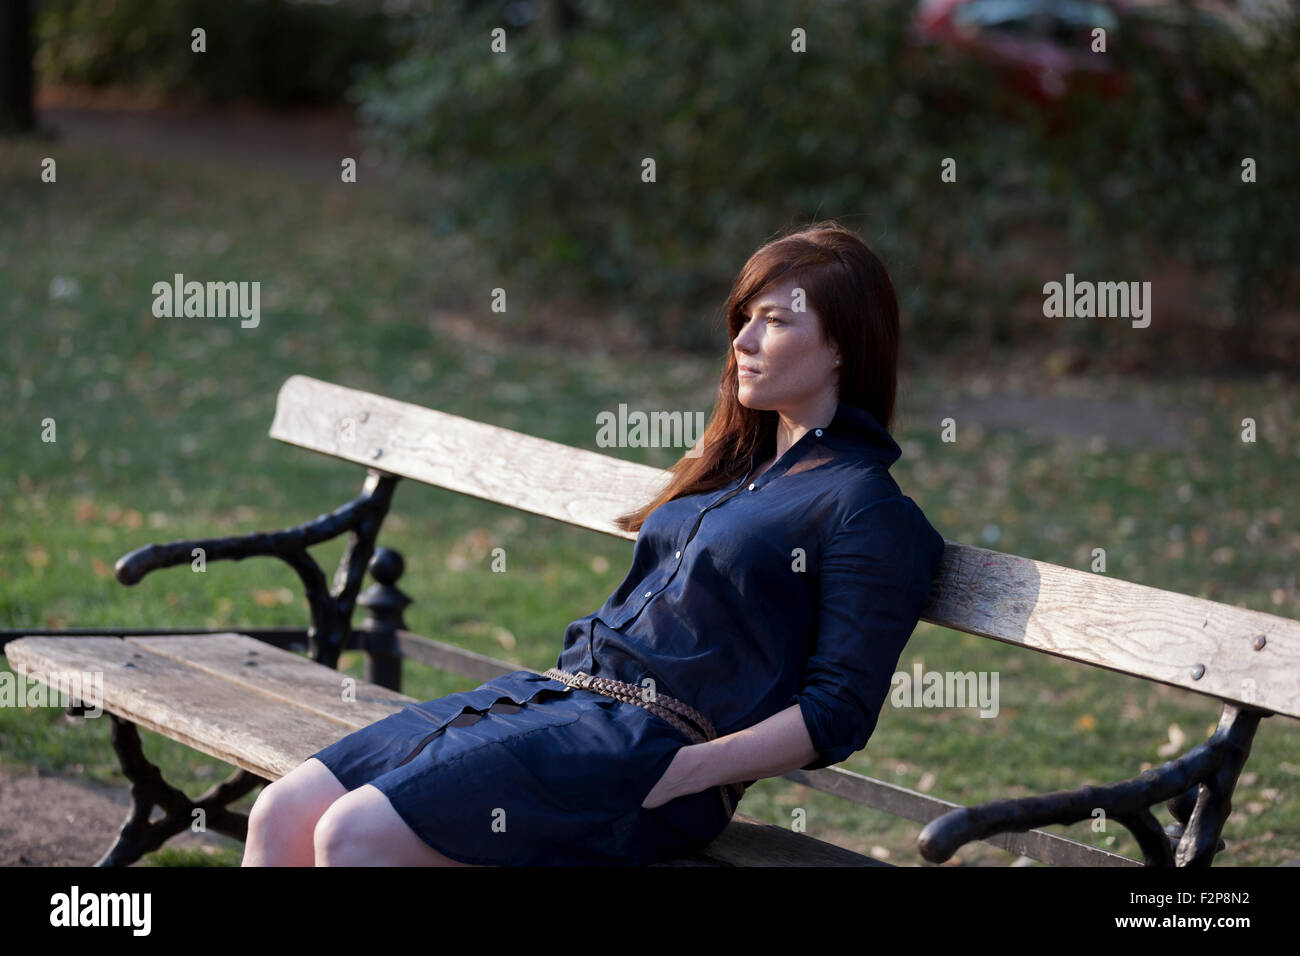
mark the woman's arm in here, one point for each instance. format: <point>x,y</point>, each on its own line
<point>770,748</point>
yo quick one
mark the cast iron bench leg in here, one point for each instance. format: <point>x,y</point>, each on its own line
<point>148,789</point>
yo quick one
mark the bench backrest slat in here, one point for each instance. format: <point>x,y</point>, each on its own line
<point>532,474</point>
<point>1080,616</point>
<point>1190,642</point>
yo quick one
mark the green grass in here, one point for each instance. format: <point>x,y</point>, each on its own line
<point>161,435</point>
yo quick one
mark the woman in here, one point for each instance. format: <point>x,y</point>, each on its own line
<point>774,584</point>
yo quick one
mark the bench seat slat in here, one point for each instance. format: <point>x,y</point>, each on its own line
<point>751,842</point>
<point>299,681</point>
<point>228,721</point>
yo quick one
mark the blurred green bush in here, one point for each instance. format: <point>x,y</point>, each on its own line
<point>1166,162</point>
<point>273,51</point>
<point>545,146</point>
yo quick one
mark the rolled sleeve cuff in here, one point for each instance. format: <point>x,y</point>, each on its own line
<point>824,729</point>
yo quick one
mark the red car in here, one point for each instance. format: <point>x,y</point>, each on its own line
<point>1043,48</point>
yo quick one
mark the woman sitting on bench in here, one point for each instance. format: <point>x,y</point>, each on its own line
<point>774,584</point>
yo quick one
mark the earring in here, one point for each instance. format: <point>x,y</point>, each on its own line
<point>837,361</point>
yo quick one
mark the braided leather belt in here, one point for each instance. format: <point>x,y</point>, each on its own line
<point>685,718</point>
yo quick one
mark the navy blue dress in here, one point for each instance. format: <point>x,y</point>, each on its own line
<point>799,587</point>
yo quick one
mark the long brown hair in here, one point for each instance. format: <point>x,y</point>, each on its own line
<point>846,285</point>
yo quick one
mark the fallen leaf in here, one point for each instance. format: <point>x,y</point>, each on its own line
<point>1175,743</point>
<point>264,597</point>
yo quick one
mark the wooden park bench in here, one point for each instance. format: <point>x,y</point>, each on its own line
<point>264,709</point>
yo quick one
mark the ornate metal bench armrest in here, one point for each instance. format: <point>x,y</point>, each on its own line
<point>331,614</point>
<point>1198,787</point>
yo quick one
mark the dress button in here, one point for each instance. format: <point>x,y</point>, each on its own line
<point>751,487</point>
<point>647,594</point>
<point>678,554</point>
<point>819,433</point>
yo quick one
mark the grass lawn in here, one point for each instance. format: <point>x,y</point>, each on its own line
<point>161,434</point>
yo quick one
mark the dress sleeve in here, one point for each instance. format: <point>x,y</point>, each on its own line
<point>874,581</point>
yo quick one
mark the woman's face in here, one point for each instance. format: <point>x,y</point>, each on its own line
<point>794,366</point>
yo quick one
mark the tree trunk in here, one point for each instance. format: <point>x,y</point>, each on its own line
<point>16,109</point>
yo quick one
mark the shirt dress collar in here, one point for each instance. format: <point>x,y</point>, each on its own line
<point>852,428</point>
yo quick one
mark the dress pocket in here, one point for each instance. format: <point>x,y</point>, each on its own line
<point>507,694</point>
<point>662,772</point>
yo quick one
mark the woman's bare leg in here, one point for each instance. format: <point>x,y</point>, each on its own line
<point>284,816</point>
<point>363,829</point>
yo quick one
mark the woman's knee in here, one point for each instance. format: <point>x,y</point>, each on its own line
<point>297,799</point>
<point>336,835</point>
<point>363,829</point>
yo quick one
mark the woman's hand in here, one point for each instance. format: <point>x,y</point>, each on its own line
<point>677,780</point>
<point>772,747</point>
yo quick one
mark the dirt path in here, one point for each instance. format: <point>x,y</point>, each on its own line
<point>306,143</point>
<point>51,820</point>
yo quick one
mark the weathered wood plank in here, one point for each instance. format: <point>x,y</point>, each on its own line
<point>1242,655</point>
<point>532,474</point>
<point>299,681</point>
<point>453,659</point>
<point>243,727</point>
